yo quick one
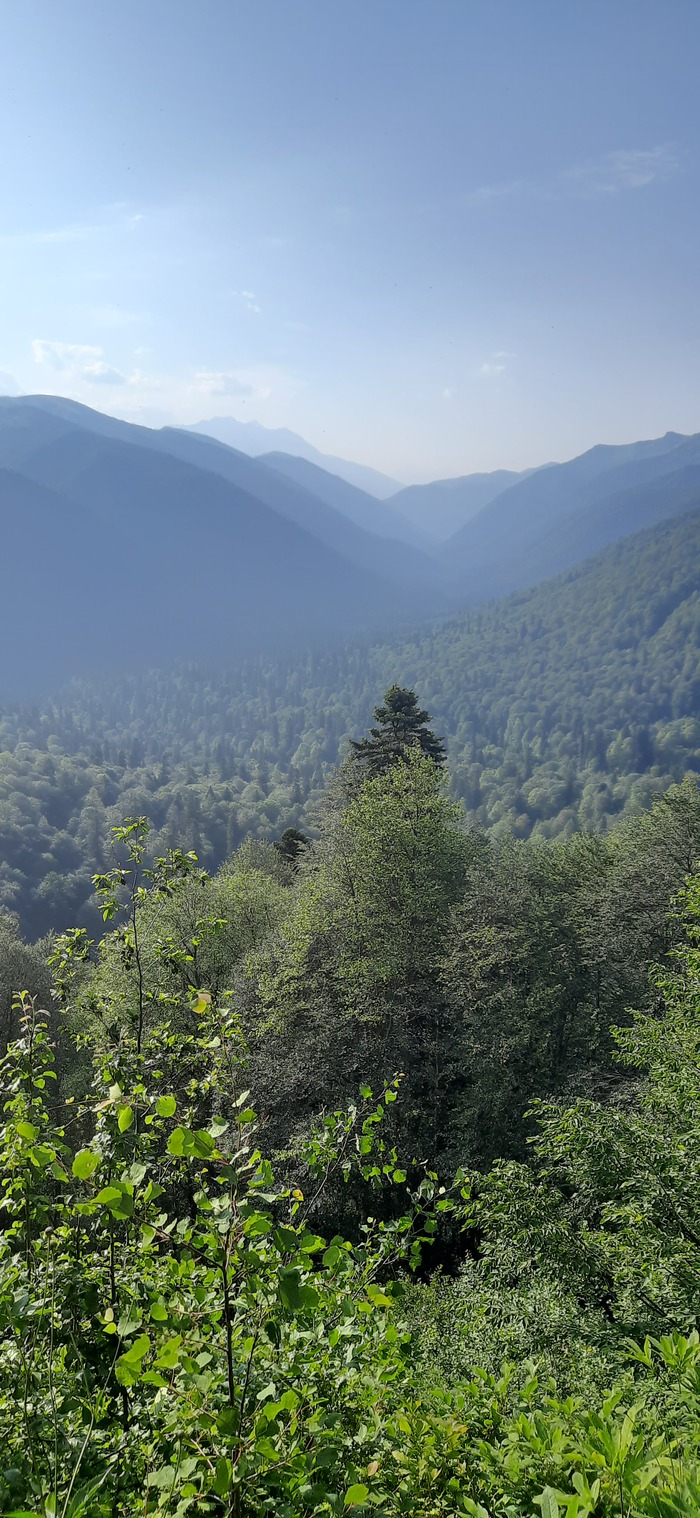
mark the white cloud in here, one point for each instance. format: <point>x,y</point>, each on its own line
<point>63,355</point>
<point>447,393</point>
<point>8,384</point>
<point>112,219</point>
<point>508,190</point>
<point>619,170</point>
<point>625,169</point>
<point>139,379</point>
<point>100,373</point>
<point>251,300</point>
<point>228,382</point>
<point>495,365</point>
<point>76,361</point>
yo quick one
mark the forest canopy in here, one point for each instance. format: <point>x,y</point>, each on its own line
<point>563,709</point>
<point>345,1180</point>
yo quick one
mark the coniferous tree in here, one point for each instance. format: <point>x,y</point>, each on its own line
<point>402,727</point>
<point>291,844</point>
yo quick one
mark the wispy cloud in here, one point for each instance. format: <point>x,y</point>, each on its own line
<point>77,361</point>
<point>625,169</point>
<point>109,219</point>
<point>495,365</point>
<point>251,300</point>
<point>509,189</point>
<point>8,384</point>
<point>613,173</point>
<point>228,382</point>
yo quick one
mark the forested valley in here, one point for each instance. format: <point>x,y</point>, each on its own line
<point>350,760</point>
<point>563,708</point>
<point>361,1174</point>
<point>350,1075</point>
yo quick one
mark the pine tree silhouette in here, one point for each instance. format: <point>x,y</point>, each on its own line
<point>402,727</point>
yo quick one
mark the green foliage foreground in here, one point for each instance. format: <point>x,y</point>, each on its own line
<point>175,1336</point>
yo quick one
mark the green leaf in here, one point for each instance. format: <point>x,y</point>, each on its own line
<point>85,1164</point>
<point>165,1106</point>
<point>186,1142</point>
<point>257,1225</point>
<point>290,1289</point>
<point>176,1142</point>
<point>42,1156</point>
<point>286,1238</point>
<point>170,1353</point>
<point>356,1495</point>
<point>293,1294</point>
<point>378,1298</point>
<point>125,1118</point>
<point>119,1198</point>
<point>548,1503</point>
<point>164,1479</point>
<point>138,1349</point>
<point>223,1478</point>
<point>27,1131</point>
<point>310,1243</point>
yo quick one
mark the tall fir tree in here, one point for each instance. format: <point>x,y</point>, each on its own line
<point>402,727</point>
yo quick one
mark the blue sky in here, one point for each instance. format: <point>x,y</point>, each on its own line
<point>432,235</point>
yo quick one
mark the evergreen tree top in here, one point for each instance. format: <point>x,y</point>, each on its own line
<point>402,726</point>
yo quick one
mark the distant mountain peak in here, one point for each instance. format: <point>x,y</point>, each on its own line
<point>254,439</point>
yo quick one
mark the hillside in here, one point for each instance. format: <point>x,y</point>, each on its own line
<point>263,564</point>
<point>29,425</point>
<point>442,507</point>
<point>362,508</point>
<point>558,515</point>
<point>564,707</point>
<point>255,439</point>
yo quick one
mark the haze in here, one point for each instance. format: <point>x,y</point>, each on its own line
<point>432,238</point>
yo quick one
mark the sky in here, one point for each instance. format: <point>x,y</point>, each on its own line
<point>434,236</point>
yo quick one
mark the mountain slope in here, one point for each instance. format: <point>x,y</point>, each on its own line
<point>564,707</point>
<point>443,506</point>
<point>365,510</point>
<point>30,423</point>
<point>153,559</point>
<point>62,579</point>
<point>556,516</point>
<point>254,439</point>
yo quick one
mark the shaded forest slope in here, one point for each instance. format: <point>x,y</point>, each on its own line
<point>563,708</point>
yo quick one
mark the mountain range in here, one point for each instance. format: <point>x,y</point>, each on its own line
<point>442,507</point>
<point>126,546</point>
<point>253,438</point>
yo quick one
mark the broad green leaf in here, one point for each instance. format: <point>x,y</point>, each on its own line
<point>286,1238</point>
<point>42,1156</point>
<point>164,1478</point>
<point>85,1164</point>
<point>169,1354</point>
<point>165,1106</point>
<point>27,1131</point>
<point>125,1118</point>
<point>119,1198</point>
<point>548,1504</point>
<point>223,1477</point>
<point>356,1495</point>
